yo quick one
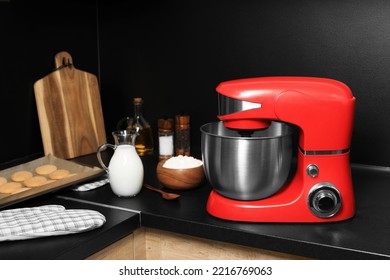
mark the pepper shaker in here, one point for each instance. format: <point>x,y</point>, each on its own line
<point>182,135</point>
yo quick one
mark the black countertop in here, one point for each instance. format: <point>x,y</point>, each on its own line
<point>119,223</point>
<point>362,237</point>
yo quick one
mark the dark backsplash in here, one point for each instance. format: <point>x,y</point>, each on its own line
<point>32,33</point>
<point>174,53</point>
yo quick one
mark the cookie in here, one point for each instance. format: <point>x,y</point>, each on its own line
<point>35,181</point>
<point>3,180</point>
<point>45,169</point>
<point>59,174</point>
<point>20,176</point>
<point>10,187</point>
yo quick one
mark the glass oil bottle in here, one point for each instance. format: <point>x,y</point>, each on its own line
<point>144,141</point>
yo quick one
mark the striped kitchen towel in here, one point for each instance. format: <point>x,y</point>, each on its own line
<point>47,220</point>
<point>92,185</point>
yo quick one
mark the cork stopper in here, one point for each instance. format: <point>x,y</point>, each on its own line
<point>182,121</point>
<point>137,100</point>
<point>165,125</point>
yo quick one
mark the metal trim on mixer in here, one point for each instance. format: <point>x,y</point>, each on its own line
<point>227,105</point>
<point>324,191</point>
<point>332,152</point>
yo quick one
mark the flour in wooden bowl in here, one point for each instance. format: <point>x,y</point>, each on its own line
<point>182,162</point>
<point>180,172</point>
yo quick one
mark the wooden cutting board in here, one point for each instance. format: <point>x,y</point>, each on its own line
<point>69,110</point>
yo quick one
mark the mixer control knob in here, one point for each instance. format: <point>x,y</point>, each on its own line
<point>324,200</point>
<point>312,170</point>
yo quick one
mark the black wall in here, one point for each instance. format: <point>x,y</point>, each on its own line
<point>174,53</point>
<point>32,32</point>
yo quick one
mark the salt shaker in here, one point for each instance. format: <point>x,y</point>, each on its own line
<point>182,135</point>
<point>165,138</point>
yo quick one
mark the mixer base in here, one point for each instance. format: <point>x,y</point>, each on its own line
<point>268,210</point>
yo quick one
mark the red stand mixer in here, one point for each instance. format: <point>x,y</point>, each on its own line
<point>320,189</point>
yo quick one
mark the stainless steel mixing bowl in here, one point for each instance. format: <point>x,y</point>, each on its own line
<point>247,167</point>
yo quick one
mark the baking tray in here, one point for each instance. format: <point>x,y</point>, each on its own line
<point>80,173</point>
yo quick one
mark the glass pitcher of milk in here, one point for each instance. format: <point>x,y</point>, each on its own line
<point>125,170</point>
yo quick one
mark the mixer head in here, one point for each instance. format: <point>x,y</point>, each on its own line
<point>322,108</point>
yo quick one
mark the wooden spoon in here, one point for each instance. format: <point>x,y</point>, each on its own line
<point>165,195</point>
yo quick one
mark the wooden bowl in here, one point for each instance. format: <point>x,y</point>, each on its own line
<point>180,179</point>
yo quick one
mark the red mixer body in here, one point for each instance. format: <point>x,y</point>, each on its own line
<point>321,189</point>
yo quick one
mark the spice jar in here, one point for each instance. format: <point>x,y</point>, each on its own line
<point>165,138</point>
<point>182,135</point>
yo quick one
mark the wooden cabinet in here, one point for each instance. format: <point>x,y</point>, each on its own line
<point>131,247</point>
<point>153,244</point>
<point>120,250</point>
